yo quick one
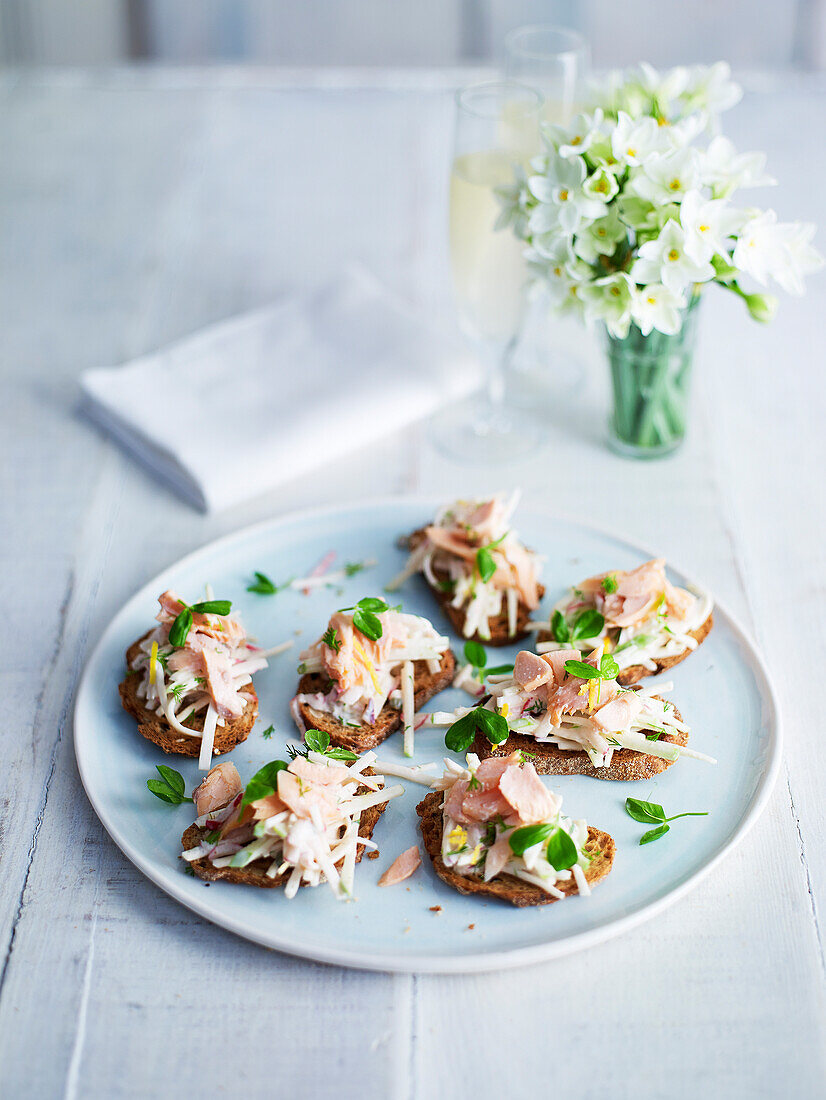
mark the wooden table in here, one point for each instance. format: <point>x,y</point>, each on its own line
<point>138,206</point>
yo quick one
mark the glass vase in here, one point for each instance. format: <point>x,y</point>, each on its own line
<point>650,378</point>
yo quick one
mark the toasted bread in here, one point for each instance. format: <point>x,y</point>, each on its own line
<point>499,635</point>
<point>155,728</point>
<point>634,673</point>
<point>550,759</point>
<point>600,846</point>
<point>360,739</point>
<point>255,873</point>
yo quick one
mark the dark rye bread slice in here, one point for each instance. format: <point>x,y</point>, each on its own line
<point>549,759</point>
<point>599,846</point>
<point>155,728</point>
<point>634,673</point>
<point>499,635</point>
<point>426,684</point>
<point>254,874</point>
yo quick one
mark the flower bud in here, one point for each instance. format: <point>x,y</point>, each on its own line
<point>762,307</point>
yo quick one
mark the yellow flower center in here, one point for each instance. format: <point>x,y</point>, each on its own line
<point>601,186</point>
<point>652,301</point>
<point>576,141</point>
<point>557,271</point>
<point>630,151</point>
<point>563,195</point>
<point>704,228</point>
<point>615,290</point>
<point>675,185</point>
<point>673,255</point>
<point>601,232</point>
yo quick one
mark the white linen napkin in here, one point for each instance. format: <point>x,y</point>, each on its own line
<point>246,404</point>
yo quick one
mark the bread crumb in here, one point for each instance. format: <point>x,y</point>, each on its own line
<point>374,854</point>
<point>435,908</point>
<point>470,927</point>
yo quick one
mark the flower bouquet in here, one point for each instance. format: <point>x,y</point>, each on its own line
<point>627,213</point>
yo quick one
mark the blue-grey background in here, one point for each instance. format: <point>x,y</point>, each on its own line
<point>761,34</point>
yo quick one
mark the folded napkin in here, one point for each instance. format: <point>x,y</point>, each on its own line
<point>244,405</point>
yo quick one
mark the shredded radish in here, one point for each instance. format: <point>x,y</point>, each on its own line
<point>208,739</point>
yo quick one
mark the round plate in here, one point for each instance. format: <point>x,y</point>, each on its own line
<point>723,692</point>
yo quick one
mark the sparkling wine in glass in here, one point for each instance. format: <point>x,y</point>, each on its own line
<point>497,129</point>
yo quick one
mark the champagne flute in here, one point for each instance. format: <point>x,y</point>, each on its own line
<point>497,128</point>
<point>554,60</point>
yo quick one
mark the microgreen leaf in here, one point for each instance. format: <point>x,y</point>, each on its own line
<point>213,607</point>
<point>475,654</point>
<point>331,639</point>
<point>460,735</point>
<point>608,667</point>
<point>587,624</point>
<point>353,567</point>
<point>610,584</point>
<point>485,563</point>
<point>654,834</point>
<point>529,835</point>
<point>498,670</point>
<point>647,812</point>
<point>367,623</point>
<point>180,628</point>
<point>560,628</point>
<point>317,740</point>
<point>583,671</point>
<point>264,782</point>
<point>372,603</point>
<point>263,585</point>
<point>561,852</point>
<point>341,754</point>
<point>172,778</point>
<point>268,732</point>
<point>170,787</point>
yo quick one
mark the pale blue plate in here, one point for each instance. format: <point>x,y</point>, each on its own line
<point>723,692</point>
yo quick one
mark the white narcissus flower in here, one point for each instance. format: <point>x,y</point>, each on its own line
<point>576,139</point>
<point>665,260</point>
<point>656,306</point>
<point>707,224</point>
<point>726,170</point>
<point>710,88</point>
<point>782,251</point>
<point>666,177</point>
<point>601,237</point>
<point>562,202</point>
<point>601,186</point>
<point>610,300</point>
<point>634,140</point>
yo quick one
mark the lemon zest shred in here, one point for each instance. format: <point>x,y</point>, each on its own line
<point>368,664</point>
<point>153,658</point>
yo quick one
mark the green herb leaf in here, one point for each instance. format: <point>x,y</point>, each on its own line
<point>561,852</point>
<point>494,726</point>
<point>528,836</point>
<point>341,754</point>
<point>583,671</point>
<point>180,628</point>
<point>317,740</point>
<point>587,624</point>
<point>498,670</point>
<point>367,623</point>
<point>268,732</point>
<point>654,834</point>
<point>646,812</point>
<point>559,627</point>
<point>610,584</point>
<point>331,639</point>
<point>172,778</point>
<point>263,585</point>
<point>460,736</point>
<point>264,782</point>
<point>485,563</point>
<point>213,607</point>
<point>475,654</point>
<point>353,567</point>
<point>608,667</point>
<point>163,791</point>
<point>170,787</point>
<point>372,603</point>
